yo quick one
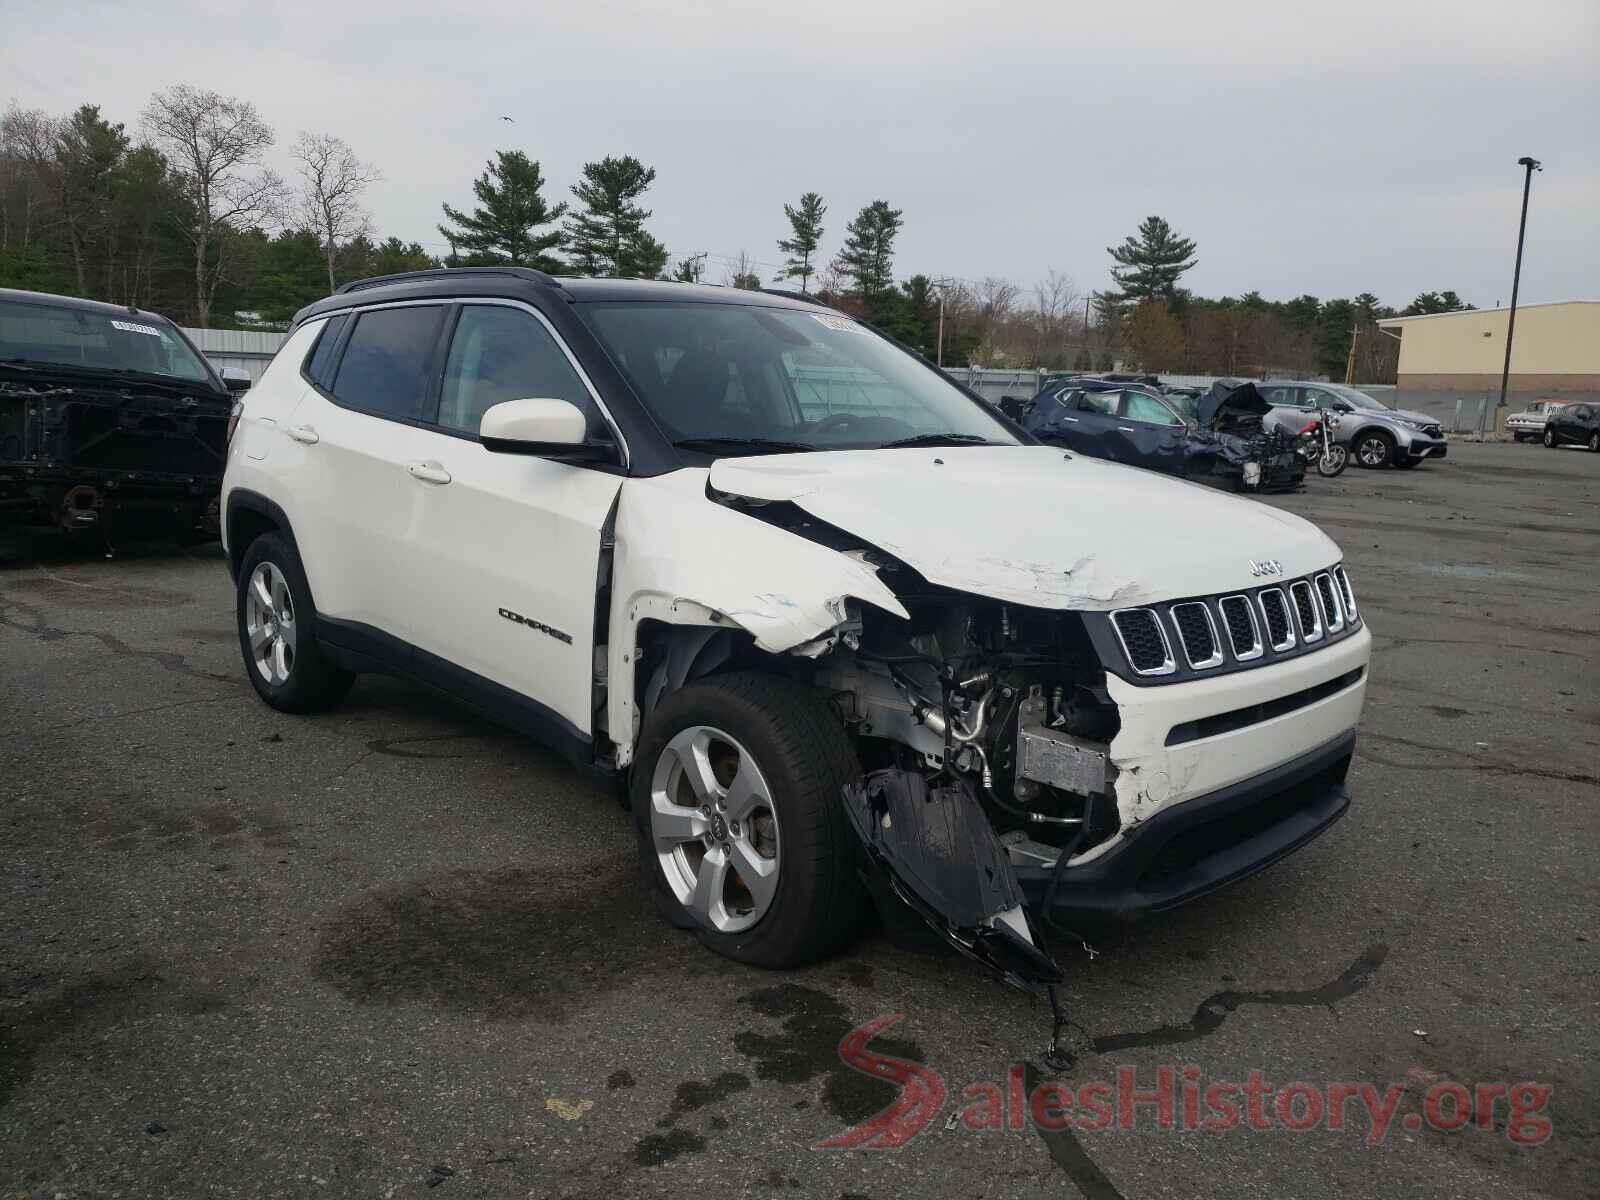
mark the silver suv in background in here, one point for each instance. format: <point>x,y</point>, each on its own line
<point>1377,435</point>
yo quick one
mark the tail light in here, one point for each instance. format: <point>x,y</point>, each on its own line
<point>233,418</point>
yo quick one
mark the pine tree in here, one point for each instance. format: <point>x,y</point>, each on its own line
<point>504,228</point>
<point>806,225</point>
<point>867,257</point>
<point>1151,263</point>
<point>608,237</point>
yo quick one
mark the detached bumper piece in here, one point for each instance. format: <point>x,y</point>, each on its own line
<point>1202,844</point>
<point>939,855</point>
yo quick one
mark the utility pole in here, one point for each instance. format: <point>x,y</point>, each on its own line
<point>1350,363</point>
<point>1531,165</point>
<point>941,284</point>
<point>1086,349</point>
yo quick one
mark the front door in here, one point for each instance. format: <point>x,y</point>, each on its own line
<point>506,607</point>
<point>1150,434</point>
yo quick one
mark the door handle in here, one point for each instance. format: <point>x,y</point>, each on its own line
<point>1126,429</point>
<point>428,472</point>
<point>1074,420</point>
<point>303,433</point>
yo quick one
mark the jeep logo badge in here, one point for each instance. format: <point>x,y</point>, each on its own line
<point>1265,566</point>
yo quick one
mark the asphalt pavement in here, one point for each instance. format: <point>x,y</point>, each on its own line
<point>396,951</point>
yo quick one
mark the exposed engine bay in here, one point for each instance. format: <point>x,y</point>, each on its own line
<point>985,731</point>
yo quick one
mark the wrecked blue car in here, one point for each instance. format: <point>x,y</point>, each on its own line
<point>1227,438</point>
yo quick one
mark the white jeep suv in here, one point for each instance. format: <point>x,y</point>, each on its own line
<point>841,629</point>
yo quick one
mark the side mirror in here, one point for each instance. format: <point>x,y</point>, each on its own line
<point>542,427</point>
<point>236,379</point>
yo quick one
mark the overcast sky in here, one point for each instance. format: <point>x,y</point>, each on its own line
<point>1329,149</point>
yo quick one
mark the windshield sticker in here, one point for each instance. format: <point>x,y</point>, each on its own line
<point>838,324</point>
<point>130,327</point>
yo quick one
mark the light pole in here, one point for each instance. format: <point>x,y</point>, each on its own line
<point>1531,165</point>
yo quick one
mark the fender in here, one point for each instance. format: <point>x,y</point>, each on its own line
<point>682,559</point>
<point>243,500</point>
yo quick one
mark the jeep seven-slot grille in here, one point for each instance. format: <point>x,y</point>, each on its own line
<point>1194,629</point>
<point>1277,612</point>
<point>1306,607</point>
<point>1235,631</point>
<point>1142,639</point>
<point>1331,611</point>
<point>1349,595</point>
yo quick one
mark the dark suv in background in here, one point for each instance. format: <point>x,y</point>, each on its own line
<point>110,420</point>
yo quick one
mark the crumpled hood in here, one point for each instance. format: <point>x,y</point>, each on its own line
<point>1034,525</point>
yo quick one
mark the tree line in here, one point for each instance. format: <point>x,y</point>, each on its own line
<point>186,217</point>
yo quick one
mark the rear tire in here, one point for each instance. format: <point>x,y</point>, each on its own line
<point>1550,438</point>
<point>766,802</point>
<point>1594,442</point>
<point>275,617</point>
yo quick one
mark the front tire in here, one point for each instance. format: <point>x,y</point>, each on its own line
<point>273,610</point>
<point>1333,462</point>
<point>1594,442</point>
<point>1374,449</point>
<point>742,832</point>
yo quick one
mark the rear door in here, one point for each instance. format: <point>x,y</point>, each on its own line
<point>508,545</point>
<point>344,469</point>
<point>1084,420</point>
<point>1149,434</point>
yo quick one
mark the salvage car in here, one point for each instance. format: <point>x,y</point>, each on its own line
<point>1528,425</point>
<point>1377,435</point>
<point>837,627</point>
<point>1574,425</point>
<point>1224,439</point>
<point>110,421</point>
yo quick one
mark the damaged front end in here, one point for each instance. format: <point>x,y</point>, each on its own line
<point>986,732</point>
<point>84,453</point>
<point>1233,446</point>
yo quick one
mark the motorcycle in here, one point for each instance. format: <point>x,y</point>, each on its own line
<point>1318,447</point>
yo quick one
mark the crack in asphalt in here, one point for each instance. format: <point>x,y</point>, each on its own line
<point>45,632</point>
<point>1472,762</point>
<point>1214,1009</point>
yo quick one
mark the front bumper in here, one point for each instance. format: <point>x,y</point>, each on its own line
<point>1421,448</point>
<point>1205,843</point>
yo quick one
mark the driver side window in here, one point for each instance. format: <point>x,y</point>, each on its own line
<point>499,354</point>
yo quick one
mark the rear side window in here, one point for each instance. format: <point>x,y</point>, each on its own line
<point>500,354</point>
<point>384,367</point>
<point>1099,402</point>
<point>319,367</point>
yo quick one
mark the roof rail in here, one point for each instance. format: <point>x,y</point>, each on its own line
<point>527,273</point>
<point>790,294</point>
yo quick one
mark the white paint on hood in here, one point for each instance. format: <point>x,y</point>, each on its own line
<point>1036,525</point>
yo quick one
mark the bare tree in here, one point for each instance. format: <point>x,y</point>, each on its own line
<point>214,144</point>
<point>28,170</point>
<point>1056,301</point>
<point>330,198</point>
<point>743,273</point>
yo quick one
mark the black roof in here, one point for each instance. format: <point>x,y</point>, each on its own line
<point>94,306</point>
<point>523,283</point>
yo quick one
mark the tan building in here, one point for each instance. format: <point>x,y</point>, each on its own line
<point>1556,350</point>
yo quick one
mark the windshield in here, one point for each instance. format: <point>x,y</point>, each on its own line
<point>782,379</point>
<point>1359,399</point>
<point>56,335</point>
